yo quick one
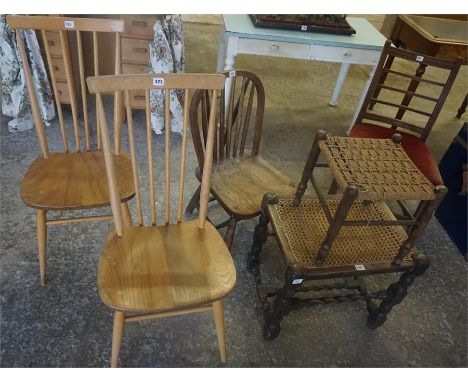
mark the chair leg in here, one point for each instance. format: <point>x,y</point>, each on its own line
<point>231,230</point>
<point>462,107</point>
<point>260,237</point>
<point>396,292</point>
<point>281,305</point>
<point>341,212</point>
<point>218,312</point>
<point>117,332</point>
<point>194,202</point>
<point>333,188</point>
<point>42,243</point>
<point>126,216</point>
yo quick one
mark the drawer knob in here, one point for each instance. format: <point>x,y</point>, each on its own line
<point>347,54</point>
<point>275,48</point>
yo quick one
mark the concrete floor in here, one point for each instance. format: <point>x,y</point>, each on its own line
<point>64,324</point>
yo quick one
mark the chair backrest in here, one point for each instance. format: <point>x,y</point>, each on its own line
<point>55,31</point>
<point>383,90</point>
<point>168,83</point>
<point>246,94</point>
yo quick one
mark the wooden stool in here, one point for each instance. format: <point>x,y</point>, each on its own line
<point>351,235</point>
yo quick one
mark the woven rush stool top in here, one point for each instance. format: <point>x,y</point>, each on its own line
<point>380,168</point>
<point>306,225</point>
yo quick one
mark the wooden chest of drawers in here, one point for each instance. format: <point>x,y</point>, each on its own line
<point>58,65</point>
<point>135,43</point>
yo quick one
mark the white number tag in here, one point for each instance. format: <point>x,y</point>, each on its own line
<point>69,24</point>
<point>232,73</point>
<point>297,281</point>
<point>359,267</point>
<point>158,81</point>
<point>419,58</point>
<point>303,27</point>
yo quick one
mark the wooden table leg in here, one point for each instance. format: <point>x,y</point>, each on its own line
<point>339,83</point>
<point>231,52</point>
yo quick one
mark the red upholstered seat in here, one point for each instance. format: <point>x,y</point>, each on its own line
<point>416,149</point>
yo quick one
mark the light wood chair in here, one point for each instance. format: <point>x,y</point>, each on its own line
<point>148,272</point>
<point>413,122</point>
<point>240,175</point>
<point>65,181</point>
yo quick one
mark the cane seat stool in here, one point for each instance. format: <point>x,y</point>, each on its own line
<point>349,234</point>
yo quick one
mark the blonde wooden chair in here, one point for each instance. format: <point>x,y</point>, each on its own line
<point>148,272</point>
<point>240,175</point>
<point>64,181</point>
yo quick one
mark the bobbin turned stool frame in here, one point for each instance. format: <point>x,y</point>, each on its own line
<point>348,236</point>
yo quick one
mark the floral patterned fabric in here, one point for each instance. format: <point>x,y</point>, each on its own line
<point>167,56</point>
<point>15,101</point>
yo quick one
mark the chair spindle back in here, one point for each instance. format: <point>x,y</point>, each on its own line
<point>166,83</point>
<point>55,30</point>
<point>246,93</point>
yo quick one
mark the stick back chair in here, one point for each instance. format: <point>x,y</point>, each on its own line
<point>240,175</point>
<point>69,180</point>
<point>385,90</point>
<point>344,237</point>
<point>148,272</point>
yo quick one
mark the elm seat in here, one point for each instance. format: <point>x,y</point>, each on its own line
<point>415,147</point>
<point>163,268</point>
<point>74,181</point>
<point>240,183</point>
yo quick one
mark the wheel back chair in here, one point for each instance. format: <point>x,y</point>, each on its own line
<point>344,237</point>
<point>386,87</point>
<point>65,181</point>
<point>240,175</point>
<point>148,272</point>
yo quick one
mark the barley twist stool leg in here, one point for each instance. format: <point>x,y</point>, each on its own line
<point>260,236</point>
<point>281,305</point>
<point>396,292</point>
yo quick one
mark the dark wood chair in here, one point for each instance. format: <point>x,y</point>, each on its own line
<point>461,110</point>
<point>66,181</point>
<point>386,89</point>
<point>148,272</point>
<point>344,237</point>
<point>240,175</point>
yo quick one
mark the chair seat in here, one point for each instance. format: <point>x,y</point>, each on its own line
<point>240,183</point>
<point>154,269</point>
<point>416,149</point>
<point>68,181</point>
<point>301,231</point>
